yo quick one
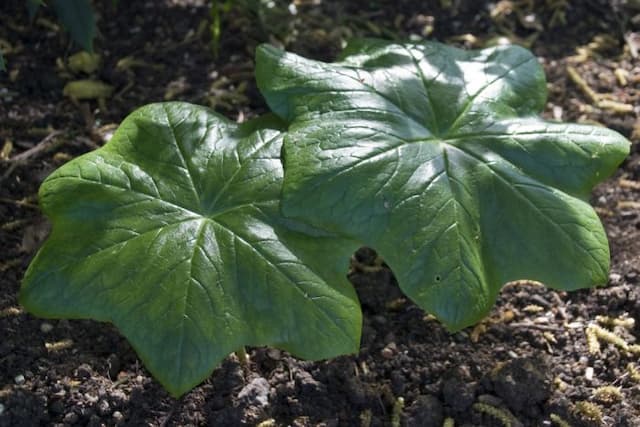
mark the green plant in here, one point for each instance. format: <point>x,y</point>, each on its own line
<point>434,156</point>
<point>265,14</point>
<point>216,9</point>
<point>172,232</point>
<point>196,236</point>
<point>75,15</point>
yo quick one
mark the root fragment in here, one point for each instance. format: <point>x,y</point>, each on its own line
<point>628,183</point>
<point>502,415</point>
<point>633,372</point>
<point>396,415</point>
<point>59,345</point>
<point>597,99</point>
<point>557,420</point>
<point>595,333</point>
<point>448,422</point>
<point>10,311</point>
<point>625,322</point>
<point>582,84</point>
<point>592,341</point>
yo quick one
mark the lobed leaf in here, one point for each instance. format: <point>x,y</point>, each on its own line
<point>434,156</point>
<point>172,232</point>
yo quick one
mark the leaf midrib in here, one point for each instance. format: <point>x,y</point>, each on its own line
<point>276,266</point>
<point>183,157</point>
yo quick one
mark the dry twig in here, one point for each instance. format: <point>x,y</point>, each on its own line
<point>45,145</point>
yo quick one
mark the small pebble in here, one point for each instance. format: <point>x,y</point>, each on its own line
<point>274,353</point>
<point>389,351</point>
<point>117,416</point>
<point>103,407</point>
<point>2,408</point>
<point>588,374</point>
<point>557,112</point>
<point>615,278</point>
<point>118,397</point>
<point>71,418</point>
<point>628,214</point>
<point>256,393</point>
<point>59,393</point>
<point>19,379</point>
<point>83,371</point>
<point>46,327</point>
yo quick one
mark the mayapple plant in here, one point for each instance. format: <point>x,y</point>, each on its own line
<point>196,236</point>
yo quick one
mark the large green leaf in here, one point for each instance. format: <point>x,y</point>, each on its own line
<point>172,232</point>
<point>434,156</point>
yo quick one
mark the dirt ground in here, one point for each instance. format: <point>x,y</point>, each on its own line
<point>533,362</point>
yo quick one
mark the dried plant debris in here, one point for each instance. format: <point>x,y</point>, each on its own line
<point>589,412</point>
<point>608,394</point>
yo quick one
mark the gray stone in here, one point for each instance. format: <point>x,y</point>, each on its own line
<point>256,393</point>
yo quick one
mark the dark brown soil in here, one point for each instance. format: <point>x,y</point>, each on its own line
<point>529,360</point>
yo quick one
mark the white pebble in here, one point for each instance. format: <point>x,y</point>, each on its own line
<point>2,408</point>
<point>46,327</point>
<point>615,278</point>
<point>19,379</point>
<point>557,112</point>
<point>91,398</point>
<point>588,373</point>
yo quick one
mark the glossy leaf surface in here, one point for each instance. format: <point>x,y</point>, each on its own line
<point>172,232</point>
<point>434,156</point>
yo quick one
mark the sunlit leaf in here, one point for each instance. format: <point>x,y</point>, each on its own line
<point>435,157</point>
<point>172,232</point>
